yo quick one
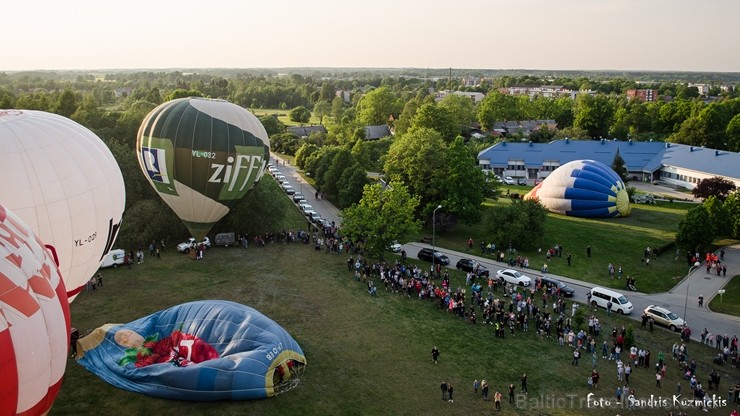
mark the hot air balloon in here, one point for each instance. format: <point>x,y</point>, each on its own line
<point>63,181</point>
<point>202,156</point>
<point>583,188</point>
<point>34,321</point>
<point>201,351</point>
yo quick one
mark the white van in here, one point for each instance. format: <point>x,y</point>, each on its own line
<point>601,296</point>
<point>113,258</point>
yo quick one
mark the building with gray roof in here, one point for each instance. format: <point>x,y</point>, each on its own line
<point>674,164</point>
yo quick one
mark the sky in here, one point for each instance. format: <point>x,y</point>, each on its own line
<point>653,35</point>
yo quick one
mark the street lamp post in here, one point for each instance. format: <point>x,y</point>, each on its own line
<point>686,302</point>
<point>434,228</point>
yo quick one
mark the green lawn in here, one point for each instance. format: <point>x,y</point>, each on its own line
<point>619,241</point>
<point>368,356</point>
<point>283,116</point>
<point>728,303</point>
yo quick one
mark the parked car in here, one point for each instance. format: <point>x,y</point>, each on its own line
<point>225,239</point>
<point>395,247</point>
<point>663,316</point>
<point>114,258</point>
<point>601,296</point>
<point>315,217</point>
<point>565,290</point>
<point>186,246</point>
<point>470,265</point>
<point>508,180</point>
<point>513,277</point>
<point>521,181</point>
<point>289,190</point>
<point>304,207</point>
<point>298,196</point>
<point>428,254</point>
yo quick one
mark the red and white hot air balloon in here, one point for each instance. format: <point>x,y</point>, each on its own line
<point>63,181</point>
<point>34,321</point>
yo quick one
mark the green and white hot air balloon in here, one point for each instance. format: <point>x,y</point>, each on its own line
<point>202,156</point>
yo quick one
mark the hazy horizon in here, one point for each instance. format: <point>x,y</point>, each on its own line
<point>549,35</point>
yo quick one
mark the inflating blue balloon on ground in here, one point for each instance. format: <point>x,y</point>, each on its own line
<point>583,188</point>
<point>200,351</point>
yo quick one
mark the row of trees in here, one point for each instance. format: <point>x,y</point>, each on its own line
<point>717,216</point>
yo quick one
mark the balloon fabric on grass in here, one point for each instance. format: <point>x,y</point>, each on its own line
<point>583,188</point>
<point>200,351</point>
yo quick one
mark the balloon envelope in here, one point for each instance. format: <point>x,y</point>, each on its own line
<point>34,321</point>
<point>250,350</point>
<point>583,188</point>
<point>63,181</point>
<point>202,156</point>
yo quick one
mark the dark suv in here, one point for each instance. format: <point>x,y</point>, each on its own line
<point>428,254</point>
<point>565,290</point>
<point>469,265</point>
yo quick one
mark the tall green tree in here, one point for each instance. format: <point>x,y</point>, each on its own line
<point>619,167</point>
<point>497,106</point>
<point>718,215</point>
<point>381,216</point>
<point>439,118</point>
<point>732,207</point>
<point>462,110</point>
<point>376,106</point>
<point>300,114</point>
<point>464,184</point>
<point>733,134</point>
<point>522,223</point>
<point>351,185</point>
<point>593,114</point>
<point>696,231</point>
<point>417,159</point>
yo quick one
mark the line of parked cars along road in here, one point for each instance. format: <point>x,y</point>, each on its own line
<point>298,198</point>
<point>600,297</point>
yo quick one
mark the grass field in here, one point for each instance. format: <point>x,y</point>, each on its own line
<point>619,241</point>
<point>368,356</point>
<point>283,116</point>
<point>365,355</point>
<point>728,303</point>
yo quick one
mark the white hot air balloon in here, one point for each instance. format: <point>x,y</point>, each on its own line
<point>63,181</point>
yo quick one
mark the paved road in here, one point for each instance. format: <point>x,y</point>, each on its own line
<point>325,208</point>
<point>698,282</point>
<point>682,299</point>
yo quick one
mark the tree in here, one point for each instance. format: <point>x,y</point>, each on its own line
<point>718,215</point>
<point>464,184</point>
<point>179,93</point>
<point>732,207</point>
<point>462,110</point>
<point>619,168</point>
<point>272,125</point>
<point>522,223</point>
<point>322,109</point>
<point>733,134</point>
<point>716,186</point>
<point>497,107</point>
<point>417,159</point>
<point>304,153</point>
<point>593,114</point>
<point>375,107</point>
<point>351,185</point>
<point>382,216</point>
<point>695,230</point>
<point>340,163</point>
<point>438,118</point>
<point>300,114</point>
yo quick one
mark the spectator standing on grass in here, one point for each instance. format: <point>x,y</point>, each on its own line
<point>497,400</point>
<point>449,392</point>
<point>435,354</point>
<point>475,387</point>
<point>484,390</point>
<point>524,383</point>
<point>443,387</point>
